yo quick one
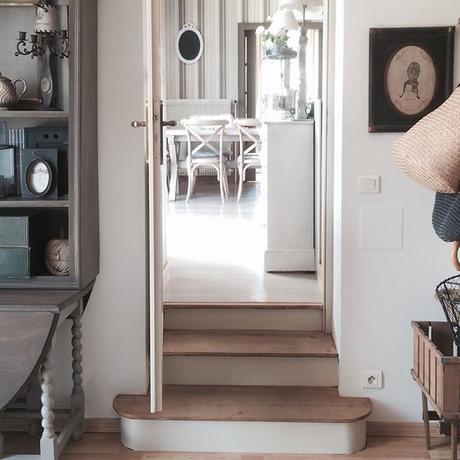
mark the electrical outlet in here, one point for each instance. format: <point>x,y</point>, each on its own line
<point>372,380</point>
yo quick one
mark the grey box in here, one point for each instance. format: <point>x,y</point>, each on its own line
<point>14,263</point>
<point>20,228</point>
<point>22,243</point>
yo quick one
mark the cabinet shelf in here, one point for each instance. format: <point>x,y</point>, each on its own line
<point>18,202</point>
<point>39,282</point>
<point>54,114</point>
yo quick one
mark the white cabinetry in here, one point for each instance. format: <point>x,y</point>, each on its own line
<point>289,147</point>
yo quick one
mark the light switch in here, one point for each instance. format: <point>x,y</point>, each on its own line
<point>381,228</point>
<point>369,184</point>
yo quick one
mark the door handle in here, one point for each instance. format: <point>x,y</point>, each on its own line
<point>138,124</point>
<point>171,123</point>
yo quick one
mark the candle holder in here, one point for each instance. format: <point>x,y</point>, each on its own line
<point>23,48</point>
<point>57,42</point>
<point>60,47</point>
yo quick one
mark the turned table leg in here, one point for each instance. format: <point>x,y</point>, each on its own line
<point>454,437</point>
<point>48,442</point>
<point>2,445</point>
<point>426,421</point>
<point>77,404</point>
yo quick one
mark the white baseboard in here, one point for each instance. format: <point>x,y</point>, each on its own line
<point>290,260</point>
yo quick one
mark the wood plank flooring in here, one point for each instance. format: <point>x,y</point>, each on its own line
<point>248,343</point>
<point>108,447</point>
<point>246,403</point>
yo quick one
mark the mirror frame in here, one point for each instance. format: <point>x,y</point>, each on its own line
<point>189,28</point>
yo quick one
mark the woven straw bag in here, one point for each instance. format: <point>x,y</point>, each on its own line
<point>429,153</point>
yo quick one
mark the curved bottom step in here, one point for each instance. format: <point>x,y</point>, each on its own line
<point>243,437</point>
<point>239,419</point>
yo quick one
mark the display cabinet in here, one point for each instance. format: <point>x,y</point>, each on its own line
<point>61,129</point>
<point>49,219</point>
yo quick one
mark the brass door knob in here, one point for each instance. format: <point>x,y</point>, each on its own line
<point>138,124</point>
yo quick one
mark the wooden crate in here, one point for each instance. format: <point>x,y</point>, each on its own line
<point>436,369</point>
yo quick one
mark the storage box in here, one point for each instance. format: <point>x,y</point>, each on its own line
<point>22,243</point>
<point>15,263</point>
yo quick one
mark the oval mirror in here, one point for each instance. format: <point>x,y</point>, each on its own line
<point>189,44</point>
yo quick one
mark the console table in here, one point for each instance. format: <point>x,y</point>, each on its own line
<point>28,323</point>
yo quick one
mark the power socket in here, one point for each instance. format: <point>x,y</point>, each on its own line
<point>372,380</point>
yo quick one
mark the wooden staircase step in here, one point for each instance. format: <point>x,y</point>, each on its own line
<point>248,343</point>
<point>244,305</point>
<point>243,403</point>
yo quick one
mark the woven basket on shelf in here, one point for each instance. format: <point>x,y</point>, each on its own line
<point>429,153</point>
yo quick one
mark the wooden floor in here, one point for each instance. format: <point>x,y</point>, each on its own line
<point>108,447</point>
<point>216,251</point>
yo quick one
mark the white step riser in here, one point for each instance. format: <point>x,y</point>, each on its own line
<point>220,370</point>
<point>271,320</point>
<point>247,437</point>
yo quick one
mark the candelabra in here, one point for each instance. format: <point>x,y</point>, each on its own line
<point>58,44</point>
<point>47,43</point>
<point>22,46</point>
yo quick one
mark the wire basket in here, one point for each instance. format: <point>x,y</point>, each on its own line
<point>448,294</point>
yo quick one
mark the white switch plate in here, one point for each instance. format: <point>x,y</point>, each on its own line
<point>372,380</point>
<point>369,184</point>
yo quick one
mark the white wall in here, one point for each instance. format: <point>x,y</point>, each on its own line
<point>382,291</point>
<point>114,344</point>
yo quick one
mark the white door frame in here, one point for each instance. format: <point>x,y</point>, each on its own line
<point>153,13</point>
<point>327,186</point>
<point>154,193</point>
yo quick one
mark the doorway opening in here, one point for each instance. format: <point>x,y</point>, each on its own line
<point>261,240</point>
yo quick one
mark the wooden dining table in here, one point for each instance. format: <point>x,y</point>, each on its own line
<point>176,134</point>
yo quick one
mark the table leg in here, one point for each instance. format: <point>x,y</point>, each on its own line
<point>426,421</point>
<point>77,402</point>
<point>2,445</point>
<point>174,168</point>
<point>48,442</point>
<point>454,438</point>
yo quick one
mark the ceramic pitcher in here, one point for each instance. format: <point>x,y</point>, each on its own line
<point>8,92</point>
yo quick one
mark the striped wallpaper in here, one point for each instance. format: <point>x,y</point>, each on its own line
<point>215,76</point>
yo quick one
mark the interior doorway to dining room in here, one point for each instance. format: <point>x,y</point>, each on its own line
<point>243,158</point>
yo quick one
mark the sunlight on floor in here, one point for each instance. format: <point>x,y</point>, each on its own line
<point>216,251</point>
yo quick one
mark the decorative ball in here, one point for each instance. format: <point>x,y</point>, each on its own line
<point>57,257</point>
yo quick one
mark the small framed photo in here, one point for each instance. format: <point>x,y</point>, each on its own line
<point>410,75</point>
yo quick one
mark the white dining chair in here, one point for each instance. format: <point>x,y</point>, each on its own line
<point>209,153</point>
<point>250,149</point>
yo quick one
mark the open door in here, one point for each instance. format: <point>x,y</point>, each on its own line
<point>154,199</point>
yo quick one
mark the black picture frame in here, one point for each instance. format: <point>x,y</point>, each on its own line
<point>384,44</point>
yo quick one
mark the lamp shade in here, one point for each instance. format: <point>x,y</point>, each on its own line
<point>47,21</point>
<point>283,19</point>
<point>298,5</point>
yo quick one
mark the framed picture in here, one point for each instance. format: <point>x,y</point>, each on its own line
<point>410,75</point>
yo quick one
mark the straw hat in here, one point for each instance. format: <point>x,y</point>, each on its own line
<point>429,153</point>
